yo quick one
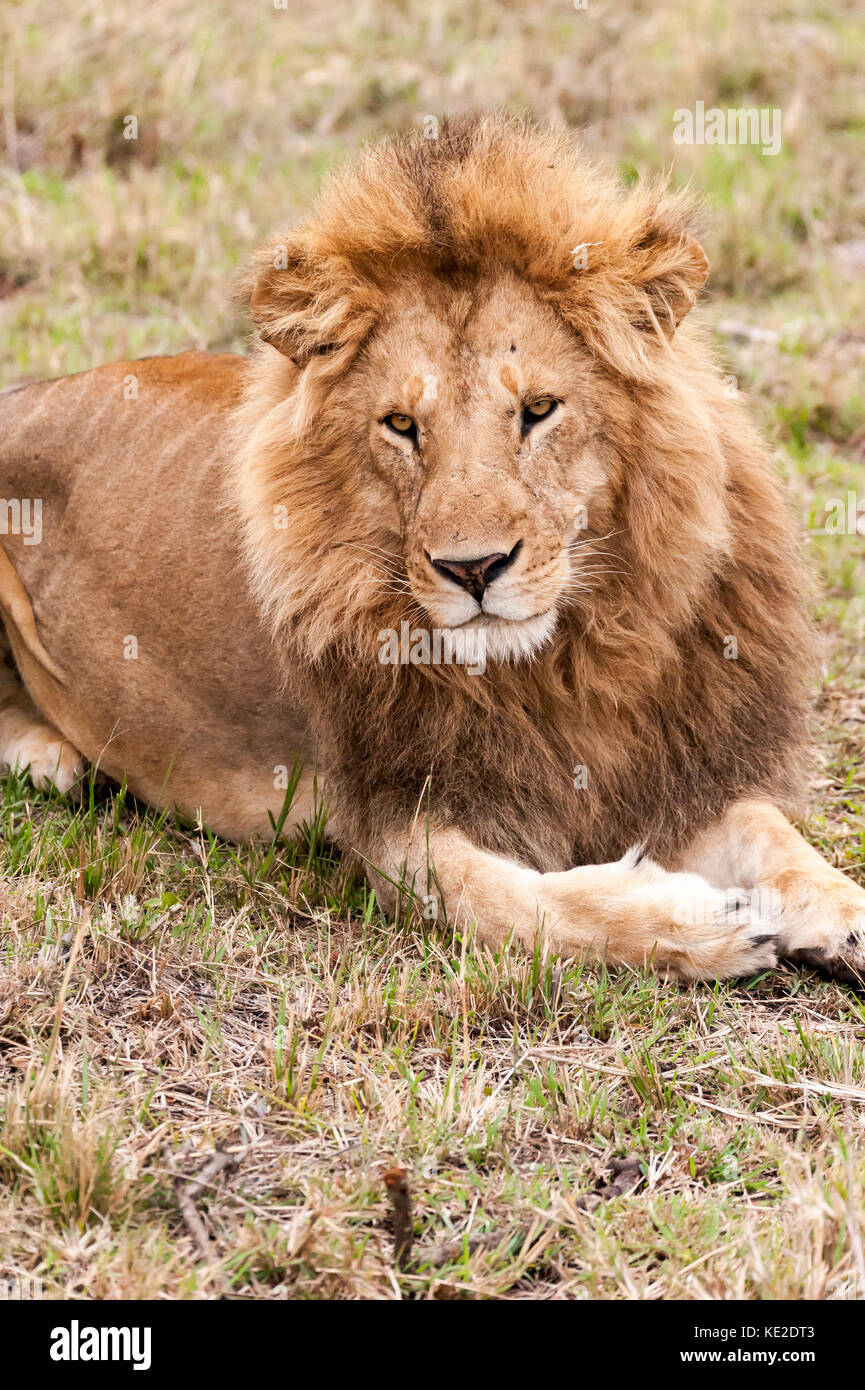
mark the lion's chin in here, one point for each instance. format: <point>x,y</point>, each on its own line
<point>503,640</point>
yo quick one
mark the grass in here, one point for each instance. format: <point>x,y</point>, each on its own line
<point>162,992</point>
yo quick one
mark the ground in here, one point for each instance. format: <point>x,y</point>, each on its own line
<point>161,992</point>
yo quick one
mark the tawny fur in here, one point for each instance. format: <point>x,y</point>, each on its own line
<point>257,525</point>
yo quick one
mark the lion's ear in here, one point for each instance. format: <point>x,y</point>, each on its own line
<point>282,288</point>
<point>670,267</point>
<point>306,305</point>
<point>640,271</point>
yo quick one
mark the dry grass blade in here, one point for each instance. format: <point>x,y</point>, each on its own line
<point>43,1082</point>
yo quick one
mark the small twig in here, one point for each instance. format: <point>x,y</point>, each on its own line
<point>396,1182</point>
<point>194,1223</point>
<point>187,1189</point>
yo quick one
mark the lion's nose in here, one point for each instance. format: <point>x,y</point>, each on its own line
<point>475,575</point>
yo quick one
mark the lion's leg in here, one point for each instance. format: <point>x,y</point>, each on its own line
<point>820,913</point>
<point>29,741</point>
<point>632,912</point>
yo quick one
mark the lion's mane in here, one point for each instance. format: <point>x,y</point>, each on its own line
<point>641,688</point>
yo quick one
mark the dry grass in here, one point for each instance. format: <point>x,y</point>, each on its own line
<point>162,993</point>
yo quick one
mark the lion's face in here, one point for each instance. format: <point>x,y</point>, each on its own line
<point>454,411</point>
<point>486,440</point>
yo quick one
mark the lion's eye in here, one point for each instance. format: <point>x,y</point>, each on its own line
<point>401,424</point>
<point>533,411</point>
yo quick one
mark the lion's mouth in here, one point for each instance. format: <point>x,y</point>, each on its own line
<point>485,619</point>
<point>510,618</point>
<point>503,640</point>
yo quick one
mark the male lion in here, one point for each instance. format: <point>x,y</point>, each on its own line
<point>473,406</point>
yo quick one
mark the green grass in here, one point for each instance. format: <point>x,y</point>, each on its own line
<point>262,1001</point>
<point>162,992</point>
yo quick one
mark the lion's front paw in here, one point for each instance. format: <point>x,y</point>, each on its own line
<point>717,934</point>
<point>46,756</point>
<point>676,921</point>
<point>822,923</point>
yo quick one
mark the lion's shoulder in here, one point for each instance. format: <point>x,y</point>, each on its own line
<point>212,376</point>
<point>215,378</point>
<point>117,409</point>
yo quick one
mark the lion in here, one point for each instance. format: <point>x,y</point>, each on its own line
<point>475,405</point>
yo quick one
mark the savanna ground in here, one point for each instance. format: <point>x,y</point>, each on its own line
<point>163,993</point>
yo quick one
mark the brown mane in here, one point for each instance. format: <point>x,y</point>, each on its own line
<point>634,686</point>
